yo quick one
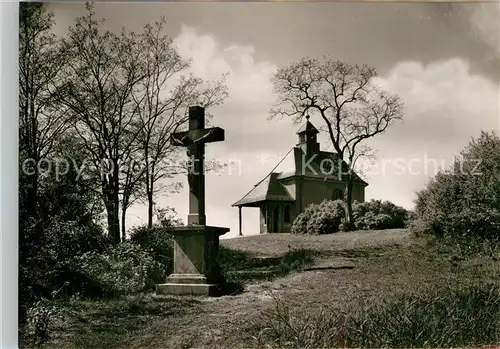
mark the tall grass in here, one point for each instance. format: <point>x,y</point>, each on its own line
<point>444,318</point>
<point>251,268</point>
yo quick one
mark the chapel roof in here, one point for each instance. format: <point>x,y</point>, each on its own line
<point>307,127</point>
<point>296,163</point>
<point>269,189</point>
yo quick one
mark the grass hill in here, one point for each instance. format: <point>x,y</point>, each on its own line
<point>367,288</point>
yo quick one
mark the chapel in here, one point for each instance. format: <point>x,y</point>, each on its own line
<point>312,176</point>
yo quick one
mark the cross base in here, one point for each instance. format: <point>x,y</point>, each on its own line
<point>186,284</point>
<point>196,270</point>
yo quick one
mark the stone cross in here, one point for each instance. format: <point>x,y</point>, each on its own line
<point>194,139</point>
<point>196,269</point>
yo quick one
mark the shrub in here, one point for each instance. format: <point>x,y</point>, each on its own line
<point>123,269</point>
<point>464,200</point>
<point>63,224</point>
<point>377,214</point>
<point>167,217</point>
<point>158,242</point>
<point>299,225</point>
<point>484,225</point>
<point>324,218</point>
<point>40,318</point>
<point>47,257</point>
<point>330,217</point>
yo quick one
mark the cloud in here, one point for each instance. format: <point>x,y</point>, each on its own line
<point>244,118</point>
<point>485,18</point>
<point>203,50</point>
<point>443,97</point>
<point>445,106</point>
<point>248,80</point>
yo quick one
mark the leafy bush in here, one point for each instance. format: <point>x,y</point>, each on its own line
<point>377,214</point>
<point>464,200</point>
<point>330,217</point>
<point>58,220</point>
<point>158,242</point>
<point>124,269</point>
<point>324,218</point>
<point>40,318</point>
<point>167,217</point>
<point>299,225</point>
<point>47,257</point>
<point>484,224</point>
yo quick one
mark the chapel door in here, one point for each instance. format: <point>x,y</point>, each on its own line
<point>276,216</point>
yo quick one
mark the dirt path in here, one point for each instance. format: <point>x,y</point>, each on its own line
<point>224,322</point>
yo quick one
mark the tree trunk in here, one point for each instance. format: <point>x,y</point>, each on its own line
<point>125,205</point>
<point>150,208</point>
<point>34,154</point>
<point>150,172</point>
<point>111,203</point>
<point>350,218</point>
<point>33,195</point>
<point>115,222</point>
<point>116,201</point>
<point>124,212</point>
<point>110,217</point>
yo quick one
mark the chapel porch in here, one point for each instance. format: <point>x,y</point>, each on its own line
<point>274,216</point>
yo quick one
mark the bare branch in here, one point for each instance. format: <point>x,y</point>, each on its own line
<point>343,95</point>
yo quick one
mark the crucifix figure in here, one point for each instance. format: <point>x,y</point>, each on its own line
<point>194,139</point>
<point>196,269</point>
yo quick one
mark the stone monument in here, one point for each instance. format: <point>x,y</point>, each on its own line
<point>195,269</point>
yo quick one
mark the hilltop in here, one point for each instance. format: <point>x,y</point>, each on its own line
<point>347,269</point>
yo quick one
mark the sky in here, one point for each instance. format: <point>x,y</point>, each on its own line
<point>443,59</point>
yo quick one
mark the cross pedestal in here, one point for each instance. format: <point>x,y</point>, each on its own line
<point>196,268</point>
<point>196,246</point>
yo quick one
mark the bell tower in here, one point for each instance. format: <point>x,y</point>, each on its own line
<point>308,138</point>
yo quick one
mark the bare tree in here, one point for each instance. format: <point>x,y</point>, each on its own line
<point>131,176</point>
<point>344,95</point>
<point>41,123</point>
<point>162,99</point>
<point>124,113</point>
<point>103,69</point>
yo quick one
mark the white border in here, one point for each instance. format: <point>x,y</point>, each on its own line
<point>9,29</point>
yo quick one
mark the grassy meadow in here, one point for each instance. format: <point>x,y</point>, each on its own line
<point>377,289</point>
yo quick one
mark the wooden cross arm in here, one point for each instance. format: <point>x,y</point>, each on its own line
<point>207,135</point>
